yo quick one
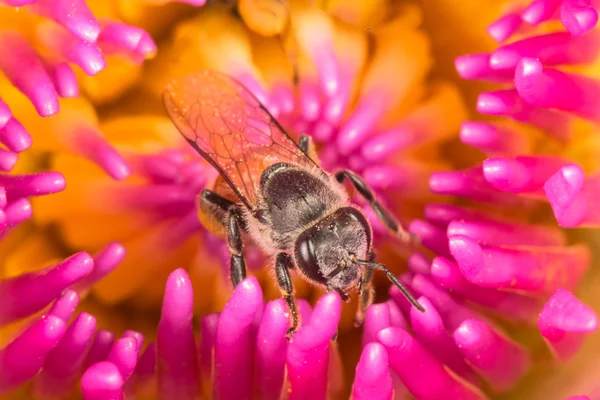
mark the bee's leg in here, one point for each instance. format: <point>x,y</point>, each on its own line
<point>226,212</point>
<point>284,281</point>
<point>365,290</point>
<point>304,143</point>
<point>366,192</point>
<point>237,266</point>
<point>215,205</point>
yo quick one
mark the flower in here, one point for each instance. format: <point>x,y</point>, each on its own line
<point>483,279</point>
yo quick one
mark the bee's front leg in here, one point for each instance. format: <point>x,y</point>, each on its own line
<point>237,265</point>
<point>284,281</point>
<point>365,293</point>
<point>382,214</point>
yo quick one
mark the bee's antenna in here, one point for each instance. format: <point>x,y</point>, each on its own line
<point>394,280</point>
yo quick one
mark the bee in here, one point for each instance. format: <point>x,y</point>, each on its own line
<point>273,190</point>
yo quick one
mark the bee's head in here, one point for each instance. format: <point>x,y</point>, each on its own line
<point>324,253</point>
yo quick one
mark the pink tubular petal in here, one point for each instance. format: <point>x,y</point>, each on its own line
<point>18,211</point>
<point>539,11</point>
<point>564,322</point>
<point>419,264</point>
<point>550,88</point>
<point>62,366</point>
<point>5,114</point>
<point>431,236</point>
<point>422,374</point>
<point>86,55</point>
<point>64,80</point>
<point>573,197</point>
<point>104,262</point>
<point>22,359</point>
<point>73,15</point>
<point>377,317</point>
<point>539,270</point>
<point>477,67</point>
<point>41,286</point>
<point>134,42</point>
<point>499,360</point>
<point>89,143</point>
<point>451,310</point>
<point>373,380</point>
<point>64,307</point>
<point>578,16</point>
<point>8,160</point>
<point>27,72</point>
<point>14,136</point>
<point>124,355</point>
<point>507,234</point>
<point>443,214</point>
<point>354,131</point>
<point>504,27</point>
<point>493,139</point>
<point>17,3</point>
<point>552,49</point>
<point>102,381</point>
<point>177,362</point>
<point>271,347</point>
<point>234,342</point>
<point>310,101</point>
<point>508,103</point>
<point>513,306</point>
<point>101,346</point>
<point>207,343</point>
<point>525,174</point>
<point>308,353</point>
<point>18,186</point>
<point>469,183</point>
<point>429,330</point>
<point>146,367</point>
<point>578,398</point>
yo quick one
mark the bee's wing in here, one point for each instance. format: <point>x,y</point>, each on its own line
<point>228,126</point>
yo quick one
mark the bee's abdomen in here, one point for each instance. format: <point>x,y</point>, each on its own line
<point>295,197</point>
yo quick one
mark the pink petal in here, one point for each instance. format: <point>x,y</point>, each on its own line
<point>564,322</point>
<point>101,346</point>
<point>14,136</point>
<point>27,72</point>
<point>539,270</point>
<point>429,330</point>
<point>64,307</point>
<point>513,306</point>
<point>177,362</point>
<point>373,380</point>
<point>551,49</point>
<point>574,197</point>
<point>499,360</point>
<point>508,103</point>
<point>22,359</point>
<point>73,15</point>
<point>27,293</point>
<point>524,174</point>
<point>578,16</point>
<point>271,348</point>
<point>478,67</point>
<point>62,366</point>
<point>102,381</point>
<point>234,345</point>
<point>550,88</point>
<point>308,353</point>
<point>423,375</point>
<point>104,262</point>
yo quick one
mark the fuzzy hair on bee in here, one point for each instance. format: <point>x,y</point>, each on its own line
<point>275,193</point>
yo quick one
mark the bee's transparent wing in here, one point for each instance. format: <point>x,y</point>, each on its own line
<point>228,126</point>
